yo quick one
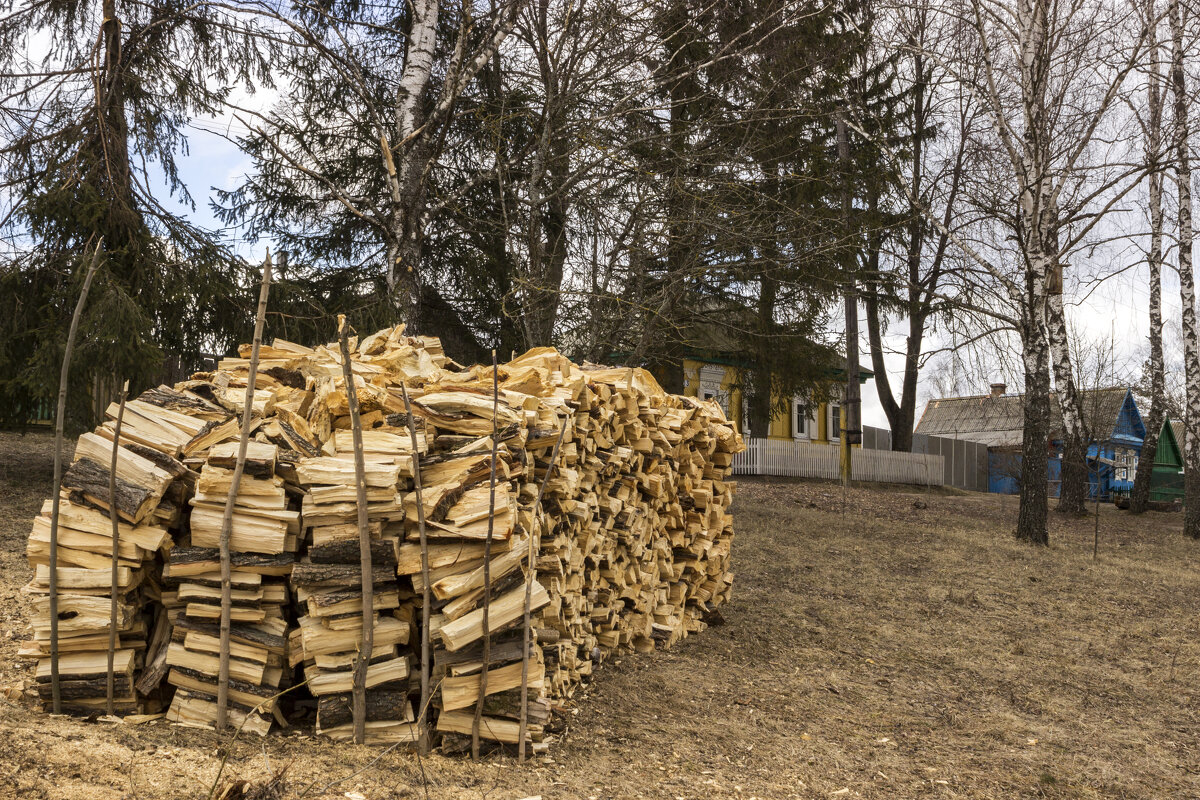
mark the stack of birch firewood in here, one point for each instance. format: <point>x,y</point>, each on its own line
<point>618,490</point>
<point>328,583</point>
<point>263,539</point>
<point>151,486</point>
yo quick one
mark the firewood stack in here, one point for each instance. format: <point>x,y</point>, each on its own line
<point>328,583</point>
<point>631,538</point>
<point>263,541</point>
<point>151,486</point>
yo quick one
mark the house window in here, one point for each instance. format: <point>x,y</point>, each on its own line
<point>711,378</point>
<point>835,422</point>
<point>800,420</point>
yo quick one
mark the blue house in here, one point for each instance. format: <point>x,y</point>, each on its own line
<point>996,420</point>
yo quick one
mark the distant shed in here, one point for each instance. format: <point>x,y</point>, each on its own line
<point>1166,481</point>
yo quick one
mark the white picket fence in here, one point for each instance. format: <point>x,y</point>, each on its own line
<point>801,460</point>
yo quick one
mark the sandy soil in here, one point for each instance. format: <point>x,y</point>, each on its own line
<point>881,644</point>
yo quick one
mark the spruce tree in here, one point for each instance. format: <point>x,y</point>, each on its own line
<point>98,120</point>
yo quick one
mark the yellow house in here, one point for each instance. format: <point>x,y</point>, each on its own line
<point>716,378</point>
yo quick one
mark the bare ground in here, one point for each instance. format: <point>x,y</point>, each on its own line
<point>874,649</point>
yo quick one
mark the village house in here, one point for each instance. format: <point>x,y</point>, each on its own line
<point>995,420</point>
<point>812,421</point>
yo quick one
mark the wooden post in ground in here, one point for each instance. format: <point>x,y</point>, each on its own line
<point>487,572</point>
<point>55,690</point>
<point>426,596</point>
<point>234,482</point>
<point>364,542</point>
<point>109,690</point>
<point>530,577</point>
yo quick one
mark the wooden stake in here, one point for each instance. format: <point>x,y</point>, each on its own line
<point>426,596</point>
<point>535,542</point>
<point>234,482</point>
<point>55,693</point>
<point>364,542</point>
<point>116,540</point>
<point>487,573</point>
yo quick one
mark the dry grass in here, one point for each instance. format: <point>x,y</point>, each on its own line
<point>887,652</point>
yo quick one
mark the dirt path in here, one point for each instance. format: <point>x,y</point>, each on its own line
<point>889,651</point>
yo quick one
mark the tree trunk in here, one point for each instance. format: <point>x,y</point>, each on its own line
<point>1035,440</point>
<point>1139,496</point>
<point>1073,491</point>
<point>1187,287</point>
<point>760,407</point>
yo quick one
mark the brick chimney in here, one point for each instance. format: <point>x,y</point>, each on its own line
<point>998,389</point>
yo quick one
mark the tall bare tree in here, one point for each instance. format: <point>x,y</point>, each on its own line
<point>1177,15</point>
<point>1153,133</point>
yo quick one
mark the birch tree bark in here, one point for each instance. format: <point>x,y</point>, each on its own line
<point>1139,497</point>
<point>1181,136</point>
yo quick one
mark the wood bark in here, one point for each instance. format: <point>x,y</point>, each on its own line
<point>1073,489</point>
<point>64,374</point>
<point>235,481</point>
<point>1035,439</point>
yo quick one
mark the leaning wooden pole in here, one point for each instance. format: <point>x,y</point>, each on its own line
<point>487,572</point>
<point>55,690</point>
<point>109,689</point>
<point>364,543</point>
<point>230,499</point>
<point>535,541</point>
<point>426,595</point>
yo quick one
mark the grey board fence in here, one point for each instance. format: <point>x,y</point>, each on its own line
<point>805,460</point>
<point>964,464</point>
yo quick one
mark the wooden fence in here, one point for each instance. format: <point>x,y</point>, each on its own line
<point>801,460</point>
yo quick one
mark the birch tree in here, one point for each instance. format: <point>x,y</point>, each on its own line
<point>1154,140</point>
<point>1181,142</point>
<point>1051,75</point>
<point>347,161</point>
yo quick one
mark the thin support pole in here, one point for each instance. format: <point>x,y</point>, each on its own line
<point>109,690</point>
<point>231,498</point>
<point>1096,533</point>
<point>535,544</point>
<point>426,597</point>
<point>364,542</point>
<point>487,572</point>
<point>55,691</point>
